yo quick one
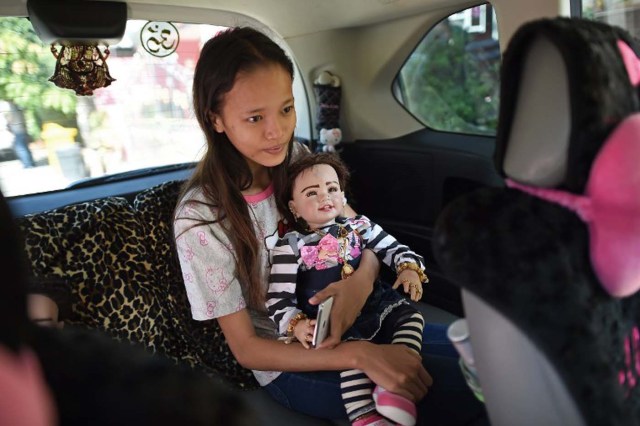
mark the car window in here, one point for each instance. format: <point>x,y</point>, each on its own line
<point>51,138</point>
<point>450,82</point>
<point>621,13</point>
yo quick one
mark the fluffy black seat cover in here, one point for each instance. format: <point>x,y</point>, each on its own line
<point>529,259</point>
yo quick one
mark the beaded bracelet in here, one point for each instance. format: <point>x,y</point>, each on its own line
<point>414,267</point>
<point>294,321</point>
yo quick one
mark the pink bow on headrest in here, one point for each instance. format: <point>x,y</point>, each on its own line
<point>631,62</point>
<point>610,207</point>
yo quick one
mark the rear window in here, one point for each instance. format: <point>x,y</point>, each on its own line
<point>624,14</point>
<point>451,81</point>
<point>51,138</point>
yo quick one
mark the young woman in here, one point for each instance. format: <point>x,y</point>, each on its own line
<point>228,219</point>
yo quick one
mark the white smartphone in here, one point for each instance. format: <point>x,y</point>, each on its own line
<point>322,322</point>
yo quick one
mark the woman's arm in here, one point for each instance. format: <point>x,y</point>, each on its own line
<point>394,367</point>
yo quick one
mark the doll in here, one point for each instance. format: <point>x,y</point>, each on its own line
<point>326,247</point>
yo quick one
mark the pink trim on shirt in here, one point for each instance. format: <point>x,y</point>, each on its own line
<point>256,198</point>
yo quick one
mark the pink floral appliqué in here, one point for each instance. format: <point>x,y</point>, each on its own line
<point>322,255</point>
<point>309,255</point>
<point>328,248</point>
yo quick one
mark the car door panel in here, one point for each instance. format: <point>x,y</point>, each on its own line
<point>404,183</point>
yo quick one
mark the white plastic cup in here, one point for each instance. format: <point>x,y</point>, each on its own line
<point>458,333</point>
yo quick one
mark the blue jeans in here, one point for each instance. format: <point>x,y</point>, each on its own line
<point>449,401</point>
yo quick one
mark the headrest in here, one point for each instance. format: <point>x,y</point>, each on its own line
<point>564,88</point>
<point>580,81</point>
<point>558,254</point>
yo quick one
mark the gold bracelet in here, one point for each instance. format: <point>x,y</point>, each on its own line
<point>294,321</point>
<point>414,267</point>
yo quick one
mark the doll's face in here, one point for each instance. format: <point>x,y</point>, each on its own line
<point>317,196</point>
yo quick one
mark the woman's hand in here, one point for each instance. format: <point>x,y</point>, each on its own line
<point>410,282</point>
<point>349,296</point>
<point>396,368</point>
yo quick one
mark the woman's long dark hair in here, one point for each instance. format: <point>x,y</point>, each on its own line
<point>223,172</point>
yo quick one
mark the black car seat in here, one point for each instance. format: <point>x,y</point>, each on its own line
<point>549,265</point>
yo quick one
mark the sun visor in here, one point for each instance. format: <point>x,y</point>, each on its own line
<point>78,21</point>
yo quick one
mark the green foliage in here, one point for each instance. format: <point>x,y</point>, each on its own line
<point>25,67</point>
<point>446,84</point>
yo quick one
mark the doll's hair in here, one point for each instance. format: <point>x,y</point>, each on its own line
<point>305,163</point>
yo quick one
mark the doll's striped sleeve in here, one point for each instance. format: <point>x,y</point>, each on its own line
<point>389,250</point>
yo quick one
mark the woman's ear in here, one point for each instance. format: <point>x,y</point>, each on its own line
<point>344,199</point>
<point>215,121</point>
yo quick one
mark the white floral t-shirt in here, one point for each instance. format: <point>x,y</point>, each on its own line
<point>208,264</point>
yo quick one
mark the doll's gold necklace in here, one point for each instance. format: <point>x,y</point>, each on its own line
<point>343,249</point>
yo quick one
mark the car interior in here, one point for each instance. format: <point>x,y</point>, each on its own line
<point>441,103</point>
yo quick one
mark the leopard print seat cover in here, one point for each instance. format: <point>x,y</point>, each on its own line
<point>124,278</point>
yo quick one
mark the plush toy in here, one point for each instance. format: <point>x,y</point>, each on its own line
<point>328,93</point>
<point>557,252</point>
<point>329,138</point>
<point>325,78</point>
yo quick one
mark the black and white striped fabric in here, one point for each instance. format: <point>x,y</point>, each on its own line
<point>289,257</point>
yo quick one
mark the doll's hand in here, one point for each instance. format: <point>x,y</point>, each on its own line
<point>303,331</point>
<point>410,281</point>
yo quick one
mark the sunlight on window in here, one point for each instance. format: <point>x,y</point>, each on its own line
<point>50,138</point>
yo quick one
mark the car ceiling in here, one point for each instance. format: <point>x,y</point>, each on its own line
<point>290,18</point>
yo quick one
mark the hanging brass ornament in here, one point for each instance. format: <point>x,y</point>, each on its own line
<point>81,68</point>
